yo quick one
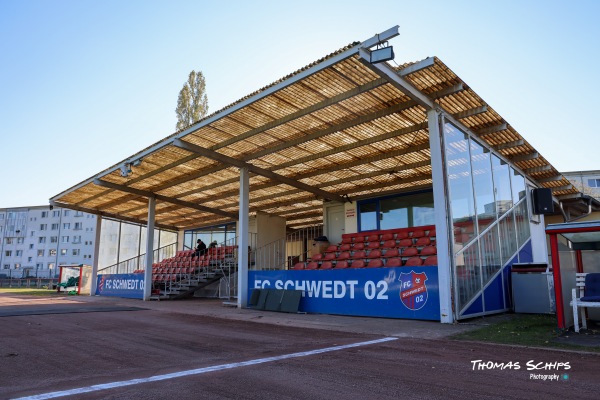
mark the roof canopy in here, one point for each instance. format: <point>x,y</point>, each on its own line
<point>339,129</point>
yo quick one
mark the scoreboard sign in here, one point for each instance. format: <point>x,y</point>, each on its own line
<point>404,292</point>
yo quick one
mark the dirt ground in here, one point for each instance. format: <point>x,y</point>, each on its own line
<point>73,344</point>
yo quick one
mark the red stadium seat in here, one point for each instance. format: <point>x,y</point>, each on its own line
<point>299,265</point>
<point>377,263</point>
<point>389,244</point>
<point>418,233</point>
<point>428,251</point>
<point>373,245</point>
<point>329,256</point>
<point>344,255</point>
<point>346,239</point>
<point>357,264</point>
<point>326,265</point>
<point>374,254</point>
<point>374,237</point>
<point>358,246</point>
<point>405,243</point>
<point>317,257</point>
<point>345,247</point>
<point>359,239</point>
<point>341,264</point>
<point>393,262</point>
<point>401,235</point>
<point>332,249</point>
<point>410,252</point>
<point>431,233</point>
<point>391,253</point>
<point>414,262</point>
<point>431,260</point>
<point>423,241</point>
<point>358,254</point>
<point>312,265</point>
<point>387,236</point>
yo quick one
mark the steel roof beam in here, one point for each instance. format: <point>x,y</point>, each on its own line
<point>509,145</point>
<point>166,199</point>
<point>524,157</point>
<point>535,170</point>
<point>222,158</point>
<point>491,129</point>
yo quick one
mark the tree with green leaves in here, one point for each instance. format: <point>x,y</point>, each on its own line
<point>192,103</point>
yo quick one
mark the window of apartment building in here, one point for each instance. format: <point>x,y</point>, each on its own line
<point>594,182</point>
<point>8,253</point>
<point>50,265</point>
<point>77,239</point>
<point>32,233</point>
<point>43,227</point>
<point>6,266</point>
<point>39,266</point>
<point>42,239</point>
<point>67,225</point>
<point>78,213</point>
<point>20,240</point>
<point>17,265</point>
<point>8,240</point>
<point>75,252</point>
<point>52,252</point>
<point>56,213</point>
<point>40,253</point>
<point>66,213</point>
<point>64,239</point>
<point>54,227</point>
<point>44,214</point>
<point>31,247</point>
<point>1,216</point>
<point>78,225</point>
<point>1,228</point>
<point>19,253</point>
<point>29,259</point>
<point>63,252</point>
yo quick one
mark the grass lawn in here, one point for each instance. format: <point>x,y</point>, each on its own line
<point>526,330</point>
<point>31,292</point>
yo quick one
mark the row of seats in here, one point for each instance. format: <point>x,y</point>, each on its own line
<point>360,263</point>
<point>388,244</point>
<point>188,255</point>
<point>376,253</point>
<point>391,234</point>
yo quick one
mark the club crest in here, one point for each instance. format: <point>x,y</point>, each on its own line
<point>413,291</point>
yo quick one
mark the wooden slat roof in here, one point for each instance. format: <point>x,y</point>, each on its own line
<point>332,130</point>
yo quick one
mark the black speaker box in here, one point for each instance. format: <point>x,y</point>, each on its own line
<point>542,201</point>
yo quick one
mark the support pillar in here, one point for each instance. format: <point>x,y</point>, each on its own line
<point>442,215</point>
<point>149,248</point>
<point>96,255</point>
<point>560,314</point>
<point>242,295</point>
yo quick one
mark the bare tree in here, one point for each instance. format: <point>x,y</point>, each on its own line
<point>192,103</point>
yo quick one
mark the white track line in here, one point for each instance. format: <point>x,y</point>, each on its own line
<point>198,371</point>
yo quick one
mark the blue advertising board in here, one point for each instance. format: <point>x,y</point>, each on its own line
<point>129,286</point>
<point>404,292</point>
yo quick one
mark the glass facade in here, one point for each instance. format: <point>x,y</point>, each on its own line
<point>402,211</point>
<point>489,212</point>
<point>222,234</point>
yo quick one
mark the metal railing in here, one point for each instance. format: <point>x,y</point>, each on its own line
<point>284,253</point>
<point>139,262</point>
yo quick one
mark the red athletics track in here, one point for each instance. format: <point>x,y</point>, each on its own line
<point>42,354</point>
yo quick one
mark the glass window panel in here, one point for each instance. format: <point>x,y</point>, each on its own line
<point>522,223</point>
<point>483,184</point>
<point>502,185</point>
<point>468,282</point>
<point>490,254</point>
<point>368,216</point>
<point>518,186</point>
<point>461,186</point>
<point>130,241</point>
<point>394,213</point>
<point>509,238</point>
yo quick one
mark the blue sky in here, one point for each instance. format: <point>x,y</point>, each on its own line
<point>85,84</point>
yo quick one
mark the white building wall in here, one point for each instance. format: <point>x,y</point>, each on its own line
<point>35,240</point>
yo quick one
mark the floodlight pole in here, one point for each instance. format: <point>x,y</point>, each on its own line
<point>149,248</point>
<point>243,224</point>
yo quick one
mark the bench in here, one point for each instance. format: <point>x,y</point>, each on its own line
<point>588,286</point>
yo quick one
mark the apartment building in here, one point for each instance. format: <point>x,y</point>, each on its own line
<point>35,240</point>
<point>588,182</point>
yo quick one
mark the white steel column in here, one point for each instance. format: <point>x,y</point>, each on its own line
<point>242,295</point>
<point>442,213</point>
<point>96,255</point>
<point>149,248</point>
